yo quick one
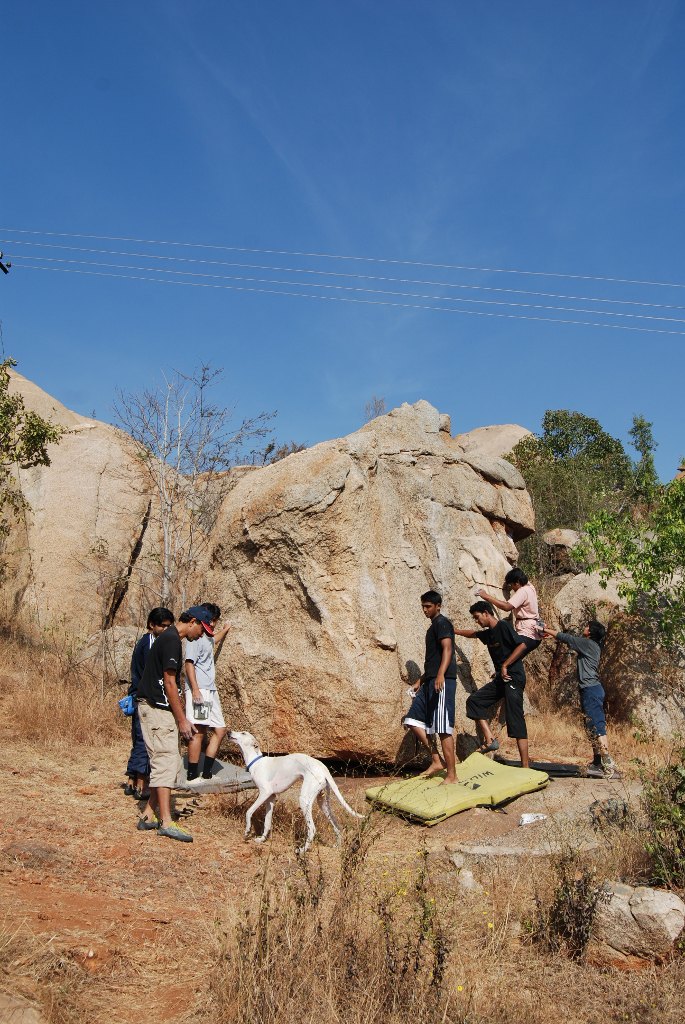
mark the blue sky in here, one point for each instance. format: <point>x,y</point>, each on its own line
<point>529,136</point>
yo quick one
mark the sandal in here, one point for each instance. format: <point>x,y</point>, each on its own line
<point>488,748</point>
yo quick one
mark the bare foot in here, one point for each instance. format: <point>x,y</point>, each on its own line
<point>434,769</point>
<point>450,780</point>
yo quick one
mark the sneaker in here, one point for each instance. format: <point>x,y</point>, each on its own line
<point>147,824</point>
<point>175,831</point>
<point>609,769</point>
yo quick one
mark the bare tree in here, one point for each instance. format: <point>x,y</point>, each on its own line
<point>373,408</point>
<point>185,444</point>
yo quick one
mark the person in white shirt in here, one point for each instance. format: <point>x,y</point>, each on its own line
<point>203,707</point>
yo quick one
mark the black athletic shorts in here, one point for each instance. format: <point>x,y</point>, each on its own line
<point>481,703</point>
<point>530,643</point>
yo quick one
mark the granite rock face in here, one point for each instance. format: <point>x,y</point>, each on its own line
<point>318,560</point>
<point>86,553</point>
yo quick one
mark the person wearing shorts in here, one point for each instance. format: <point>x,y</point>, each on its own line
<point>588,647</point>
<point>506,653</point>
<point>162,718</point>
<point>138,767</point>
<point>522,600</point>
<point>432,709</point>
<point>203,707</point>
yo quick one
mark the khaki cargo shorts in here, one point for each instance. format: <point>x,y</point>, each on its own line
<point>161,740</point>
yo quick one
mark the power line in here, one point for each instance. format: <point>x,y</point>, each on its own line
<point>336,273</point>
<point>331,256</point>
<point>352,288</point>
<point>366,302</point>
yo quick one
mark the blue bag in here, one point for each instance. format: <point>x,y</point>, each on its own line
<point>127,705</point>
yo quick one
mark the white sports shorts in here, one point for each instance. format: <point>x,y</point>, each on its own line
<point>216,715</point>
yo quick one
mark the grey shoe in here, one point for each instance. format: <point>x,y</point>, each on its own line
<point>175,831</point>
<point>147,824</point>
<point>609,768</point>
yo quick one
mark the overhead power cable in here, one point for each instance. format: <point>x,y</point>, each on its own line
<point>338,273</point>
<point>367,302</point>
<point>332,256</point>
<point>353,288</point>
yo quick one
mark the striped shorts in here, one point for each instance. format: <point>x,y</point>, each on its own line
<point>433,711</point>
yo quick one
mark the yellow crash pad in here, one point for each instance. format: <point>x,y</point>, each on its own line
<point>481,782</point>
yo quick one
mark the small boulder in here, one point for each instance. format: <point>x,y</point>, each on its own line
<point>636,926</point>
<point>17,1010</point>
<point>560,544</point>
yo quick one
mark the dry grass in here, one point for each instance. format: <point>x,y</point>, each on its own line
<point>353,943</point>
<point>359,935</point>
<point>55,703</point>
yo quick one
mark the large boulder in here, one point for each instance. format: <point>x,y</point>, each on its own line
<point>86,553</point>
<point>320,560</point>
<point>635,925</point>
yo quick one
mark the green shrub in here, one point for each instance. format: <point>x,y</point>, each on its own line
<point>663,798</point>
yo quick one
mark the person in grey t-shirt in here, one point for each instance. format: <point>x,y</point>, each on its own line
<point>203,706</point>
<point>588,647</point>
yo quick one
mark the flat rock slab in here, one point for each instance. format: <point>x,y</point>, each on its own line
<point>226,778</point>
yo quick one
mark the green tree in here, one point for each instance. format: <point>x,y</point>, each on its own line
<point>24,440</point>
<point>571,469</point>
<point>645,479</point>
<point>647,555</point>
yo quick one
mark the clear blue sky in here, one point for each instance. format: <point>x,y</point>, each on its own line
<point>528,136</point>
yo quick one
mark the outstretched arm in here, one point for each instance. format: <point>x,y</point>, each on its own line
<point>465,632</point>
<point>497,601</point>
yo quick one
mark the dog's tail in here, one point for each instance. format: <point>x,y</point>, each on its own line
<point>334,788</point>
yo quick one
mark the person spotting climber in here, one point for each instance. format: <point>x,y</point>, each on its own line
<point>203,707</point>
<point>162,718</point>
<point>138,767</point>
<point>432,709</point>
<point>522,600</point>
<point>588,647</point>
<point>506,652</point>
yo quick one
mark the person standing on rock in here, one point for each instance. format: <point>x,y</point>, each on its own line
<point>523,602</point>
<point>588,647</point>
<point>162,718</point>
<point>138,767</point>
<point>202,697</point>
<point>506,652</point>
<point>432,710</point>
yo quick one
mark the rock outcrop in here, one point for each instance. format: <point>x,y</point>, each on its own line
<point>72,558</point>
<point>319,561</point>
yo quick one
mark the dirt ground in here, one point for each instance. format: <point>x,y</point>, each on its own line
<point>138,912</point>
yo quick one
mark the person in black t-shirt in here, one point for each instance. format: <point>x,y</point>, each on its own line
<point>138,767</point>
<point>162,718</point>
<point>508,683</point>
<point>432,710</point>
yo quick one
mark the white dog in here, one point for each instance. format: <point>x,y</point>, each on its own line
<point>273,775</point>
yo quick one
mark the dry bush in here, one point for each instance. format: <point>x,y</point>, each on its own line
<point>51,701</point>
<point>335,947</point>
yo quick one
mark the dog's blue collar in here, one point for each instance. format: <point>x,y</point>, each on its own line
<point>254,759</point>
